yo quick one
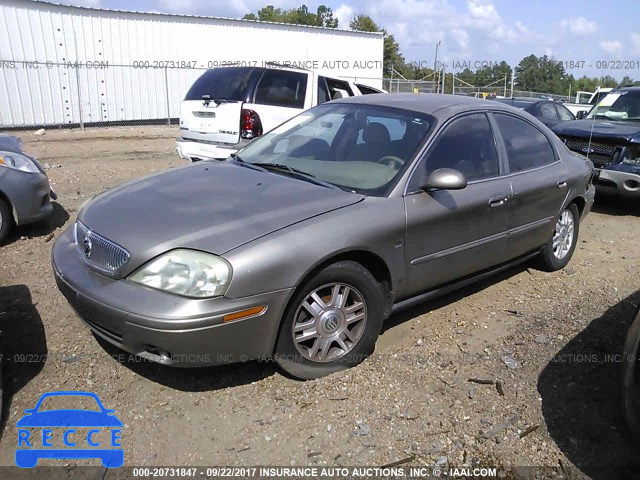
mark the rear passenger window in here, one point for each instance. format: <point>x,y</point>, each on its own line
<point>526,146</point>
<point>338,88</point>
<point>547,110</point>
<point>282,88</point>
<point>364,90</point>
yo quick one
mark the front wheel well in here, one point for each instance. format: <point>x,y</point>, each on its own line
<point>4,198</point>
<point>372,262</point>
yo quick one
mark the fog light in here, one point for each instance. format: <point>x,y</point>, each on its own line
<point>632,185</point>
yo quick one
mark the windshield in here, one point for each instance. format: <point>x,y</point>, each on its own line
<point>620,105</point>
<point>223,84</point>
<point>358,148</point>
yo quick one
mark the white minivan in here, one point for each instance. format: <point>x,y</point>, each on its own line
<point>228,107</point>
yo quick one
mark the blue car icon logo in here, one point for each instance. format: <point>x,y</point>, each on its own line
<point>67,427</point>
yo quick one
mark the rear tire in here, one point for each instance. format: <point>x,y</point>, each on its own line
<point>559,250</point>
<point>332,323</point>
<point>6,220</point>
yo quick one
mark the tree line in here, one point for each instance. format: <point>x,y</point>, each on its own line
<point>532,73</point>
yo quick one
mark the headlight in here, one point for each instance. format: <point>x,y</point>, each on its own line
<point>186,272</point>
<point>17,162</point>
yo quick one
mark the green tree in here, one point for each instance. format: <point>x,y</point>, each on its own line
<point>392,56</point>
<point>542,74</point>
<point>626,80</point>
<point>298,16</point>
<point>608,82</point>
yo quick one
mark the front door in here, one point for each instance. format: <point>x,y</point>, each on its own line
<point>455,233</point>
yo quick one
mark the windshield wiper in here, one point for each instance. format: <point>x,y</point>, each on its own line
<point>297,173</point>
<point>242,163</point>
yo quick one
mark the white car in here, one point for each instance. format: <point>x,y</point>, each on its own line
<point>228,107</point>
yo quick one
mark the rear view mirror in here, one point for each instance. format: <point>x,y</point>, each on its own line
<point>445,179</point>
<point>581,114</point>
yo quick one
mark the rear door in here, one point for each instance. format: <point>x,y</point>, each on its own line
<point>539,181</point>
<point>281,95</point>
<point>455,233</point>
<point>211,108</point>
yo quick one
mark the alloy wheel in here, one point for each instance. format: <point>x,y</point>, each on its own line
<point>329,322</point>
<point>563,235</point>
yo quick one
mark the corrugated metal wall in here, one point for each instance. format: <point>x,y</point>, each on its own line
<point>71,65</point>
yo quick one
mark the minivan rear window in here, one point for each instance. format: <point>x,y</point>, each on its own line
<point>233,83</point>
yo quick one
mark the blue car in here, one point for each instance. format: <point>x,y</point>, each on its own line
<point>67,419</point>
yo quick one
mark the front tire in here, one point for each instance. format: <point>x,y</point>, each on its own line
<point>559,250</point>
<point>332,323</point>
<point>6,220</point>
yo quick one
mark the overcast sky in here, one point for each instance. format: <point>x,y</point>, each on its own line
<point>587,31</point>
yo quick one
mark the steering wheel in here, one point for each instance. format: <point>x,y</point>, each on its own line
<point>391,161</point>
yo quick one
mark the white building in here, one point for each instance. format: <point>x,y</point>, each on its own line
<point>61,64</point>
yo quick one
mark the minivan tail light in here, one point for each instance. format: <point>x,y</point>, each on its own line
<point>250,124</point>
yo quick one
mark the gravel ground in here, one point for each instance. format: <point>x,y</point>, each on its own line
<point>519,370</point>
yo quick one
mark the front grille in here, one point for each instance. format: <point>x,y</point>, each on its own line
<point>598,152</point>
<point>98,252</point>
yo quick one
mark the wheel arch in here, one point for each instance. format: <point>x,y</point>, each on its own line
<point>14,213</point>
<point>580,202</point>
<point>367,259</point>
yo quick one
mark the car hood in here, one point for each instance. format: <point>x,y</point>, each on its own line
<point>210,206</point>
<point>613,129</point>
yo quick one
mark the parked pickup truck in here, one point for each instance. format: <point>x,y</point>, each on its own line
<point>610,137</point>
<point>586,100</point>
<point>228,107</point>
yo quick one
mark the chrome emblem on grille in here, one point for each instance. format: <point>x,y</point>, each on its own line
<point>87,246</point>
<point>587,150</point>
<point>98,252</point>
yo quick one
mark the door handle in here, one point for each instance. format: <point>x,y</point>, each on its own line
<point>562,184</point>
<point>498,200</point>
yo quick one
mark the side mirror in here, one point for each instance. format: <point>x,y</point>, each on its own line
<point>581,114</point>
<point>445,179</point>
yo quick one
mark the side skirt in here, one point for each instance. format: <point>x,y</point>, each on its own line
<point>450,287</point>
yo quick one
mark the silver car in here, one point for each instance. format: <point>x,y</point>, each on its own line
<point>301,245</point>
<point>25,194</point>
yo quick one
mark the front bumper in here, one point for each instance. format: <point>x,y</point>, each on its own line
<point>194,151</point>
<point>29,194</point>
<point>162,327</point>
<point>619,183</point>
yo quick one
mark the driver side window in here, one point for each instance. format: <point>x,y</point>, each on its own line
<point>467,145</point>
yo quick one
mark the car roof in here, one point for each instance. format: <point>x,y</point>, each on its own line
<point>429,103</point>
<point>628,88</point>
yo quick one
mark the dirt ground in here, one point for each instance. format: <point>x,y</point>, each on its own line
<point>545,346</point>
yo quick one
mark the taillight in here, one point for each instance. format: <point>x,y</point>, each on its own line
<point>250,124</point>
